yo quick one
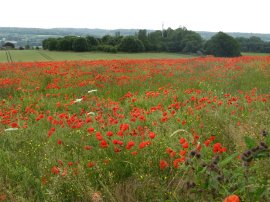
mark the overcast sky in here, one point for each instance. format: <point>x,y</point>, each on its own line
<point>198,15</point>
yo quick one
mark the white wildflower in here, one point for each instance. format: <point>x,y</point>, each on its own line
<point>91,91</point>
<point>11,129</point>
<point>91,113</point>
<point>78,100</point>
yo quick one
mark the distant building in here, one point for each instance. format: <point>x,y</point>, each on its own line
<point>10,44</point>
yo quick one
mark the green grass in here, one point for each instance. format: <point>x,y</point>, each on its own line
<point>199,97</point>
<point>43,55</point>
<point>26,55</point>
<point>256,54</point>
<point>3,57</point>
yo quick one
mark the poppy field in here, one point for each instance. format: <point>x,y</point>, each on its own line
<point>194,129</point>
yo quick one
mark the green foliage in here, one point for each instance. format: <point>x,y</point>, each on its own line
<point>50,44</point>
<point>63,44</point>
<point>92,43</point>
<point>250,142</point>
<point>79,44</point>
<point>182,40</point>
<point>222,45</point>
<point>131,44</point>
<point>111,40</point>
<point>107,48</point>
<point>156,41</point>
<point>253,44</point>
<point>192,42</point>
<point>228,160</point>
<point>268,140</point>
<point>142,36</point>
<point>179,40</point>
<point>169,40</point>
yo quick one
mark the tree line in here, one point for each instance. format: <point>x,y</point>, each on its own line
<point>253,44</point>
<point>179,40</point>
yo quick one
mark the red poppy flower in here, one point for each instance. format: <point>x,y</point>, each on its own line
<point>90,164</point>
<point>163,164</point>
<point>130,144</point>
<point>55,170</point>
<point>232,198</point>
<point>109,133</point>
<point>152,135</point>
<point>87,147</point>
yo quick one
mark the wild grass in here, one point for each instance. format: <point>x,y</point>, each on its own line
<point>154,130</point>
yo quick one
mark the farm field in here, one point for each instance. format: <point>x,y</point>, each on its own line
<point>188,129</point>
<point>255,54</point>
<point>43,55</point>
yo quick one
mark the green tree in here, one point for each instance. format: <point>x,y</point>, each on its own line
<point>63,44</point>
<point>131,44</point>
<point>222,45</point>
<point>110,40</point>
<point>142,35</point>
<point>253,44</point>
<point>45,44</point>
<point>191,42</point>
<point>52,44</point>
<point>244,43</point>
<point>156,41</point>
<point>79,44</point>
<point>92,43</point>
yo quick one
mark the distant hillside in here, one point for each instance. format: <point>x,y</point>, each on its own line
<point>208,35</point>
<point>35,36</point>
<point>65,31</point>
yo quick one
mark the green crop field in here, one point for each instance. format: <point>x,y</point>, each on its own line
<point>255,54</point>
<point>42,55</point>
<point>3,57</point>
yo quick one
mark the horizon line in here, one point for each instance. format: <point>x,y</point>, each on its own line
<point>48,28</point>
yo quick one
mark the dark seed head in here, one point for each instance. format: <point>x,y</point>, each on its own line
<point>255,149</point>
<point>264,133</point>
<point>204,164</point>
<point>192,153</point>
<point>190,185</point>
<point>264,145</point>
<point>247,153</point>
<point>213,167</point>
<point>198,155</point>
<point>215,160</point>
<point>193,184</point>
<point>249,159</point>
<point>243,157</point>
